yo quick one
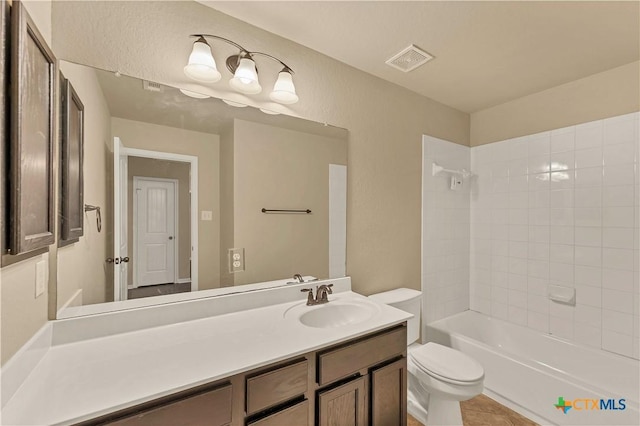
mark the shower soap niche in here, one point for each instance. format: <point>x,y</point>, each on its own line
<point>566,295</point>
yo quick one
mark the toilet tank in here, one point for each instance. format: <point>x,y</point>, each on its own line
<point>407,300</point>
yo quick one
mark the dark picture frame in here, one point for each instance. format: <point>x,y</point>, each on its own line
<point>32,134</point>
<point>4,111</point>
<point>71,165</point>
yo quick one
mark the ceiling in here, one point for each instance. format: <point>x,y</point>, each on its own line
<point>486,53</point>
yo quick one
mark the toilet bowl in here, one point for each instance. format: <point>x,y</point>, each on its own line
<point>439,377</point>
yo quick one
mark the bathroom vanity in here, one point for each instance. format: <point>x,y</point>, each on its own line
<point>350,383</point>
<point>267,360</point>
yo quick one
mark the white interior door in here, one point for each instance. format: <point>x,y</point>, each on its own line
<point>155,227</point>
<point>120,249</point>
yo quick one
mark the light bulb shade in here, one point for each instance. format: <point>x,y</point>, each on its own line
<point>245,79</point>
<point>234,103</point>
<point>284,91</point>
<point>195,95</point>
<point>202,66</point>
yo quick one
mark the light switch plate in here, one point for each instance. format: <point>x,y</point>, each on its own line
<point>206,215</point>
<point>236,260</point>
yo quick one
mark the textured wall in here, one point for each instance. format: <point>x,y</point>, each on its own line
<point>606,94</point>
<point>385,122</point>
<point>279,168</point>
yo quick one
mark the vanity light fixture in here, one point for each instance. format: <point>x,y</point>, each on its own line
<point>234,103</point>
<point>194,94</point>
<point>270,112</point>
<point>202,67</point>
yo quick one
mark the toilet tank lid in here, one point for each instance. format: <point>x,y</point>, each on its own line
<point>396,296</point>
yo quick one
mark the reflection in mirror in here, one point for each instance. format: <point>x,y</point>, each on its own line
<point>182,182</point>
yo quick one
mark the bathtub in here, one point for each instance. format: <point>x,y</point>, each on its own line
<point>528,371</point>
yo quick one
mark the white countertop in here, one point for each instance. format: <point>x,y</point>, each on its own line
<point>84,379</point>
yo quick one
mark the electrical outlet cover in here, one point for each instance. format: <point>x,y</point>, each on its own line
<point>236,260</point>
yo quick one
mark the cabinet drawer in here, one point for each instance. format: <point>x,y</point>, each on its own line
<point>344,361</point>
<point>297,415</point>
<point>274,387</point>
<point>211,408</point>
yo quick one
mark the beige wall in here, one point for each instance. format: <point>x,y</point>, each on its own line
<point>280,245</point>
<point>21,313</point>
<point>206,147</point>
<point>151,167</point>
<point>607,94</point>
<point>81,266</point>
<point>385,122</point>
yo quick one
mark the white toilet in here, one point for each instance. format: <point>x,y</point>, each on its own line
<point>439,376</point>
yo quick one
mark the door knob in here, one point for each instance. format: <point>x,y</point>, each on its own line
<point>109,260</point>
<point>171,238</point>
<point>124,259</point>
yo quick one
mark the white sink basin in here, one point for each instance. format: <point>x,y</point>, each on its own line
<point>337,313</point>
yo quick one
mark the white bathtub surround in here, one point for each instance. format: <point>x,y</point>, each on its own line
<point>445,230</point>
<point>561,209</point>
<point>80,378</point>
<point>527,370</point>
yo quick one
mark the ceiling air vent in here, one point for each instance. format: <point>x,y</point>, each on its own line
<point>151,86</point>
<point>409,59</point>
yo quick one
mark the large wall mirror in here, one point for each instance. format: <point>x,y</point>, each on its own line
<point>196,197</point>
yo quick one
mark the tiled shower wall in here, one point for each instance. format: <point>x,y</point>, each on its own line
<point>554,208</point>
<point>445,231</point>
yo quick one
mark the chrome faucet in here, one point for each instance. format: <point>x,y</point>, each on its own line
<point>322,293</point>
<point>298,278</point>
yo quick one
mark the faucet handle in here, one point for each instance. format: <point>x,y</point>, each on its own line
<point>310,299</point>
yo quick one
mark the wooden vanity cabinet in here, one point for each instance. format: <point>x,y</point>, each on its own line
<point>209,404</point>
<point>359,382</point>
<point>364,381</point>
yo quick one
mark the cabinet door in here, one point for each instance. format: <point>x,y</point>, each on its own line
<point>212,408</point>
<point>389,394</point>
<point>345,405</point>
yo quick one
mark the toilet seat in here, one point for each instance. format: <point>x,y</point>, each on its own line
<point>447,364</point>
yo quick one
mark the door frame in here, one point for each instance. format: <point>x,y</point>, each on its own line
<point>193,191</point>
<point>176,227</point>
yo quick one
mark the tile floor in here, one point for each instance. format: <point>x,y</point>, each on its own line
<point>484,411</point>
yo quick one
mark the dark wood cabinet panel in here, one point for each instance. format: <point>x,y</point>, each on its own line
<point>33,82</point>
<point>71,165</point>
<point>211,408</point>
<point>274,387</point>
<point>345,405</point>
<point>389,394</point>
<point>349,359</point>
<point>298,415</point>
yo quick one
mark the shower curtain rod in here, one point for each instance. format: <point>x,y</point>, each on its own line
<point>436,168</point>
